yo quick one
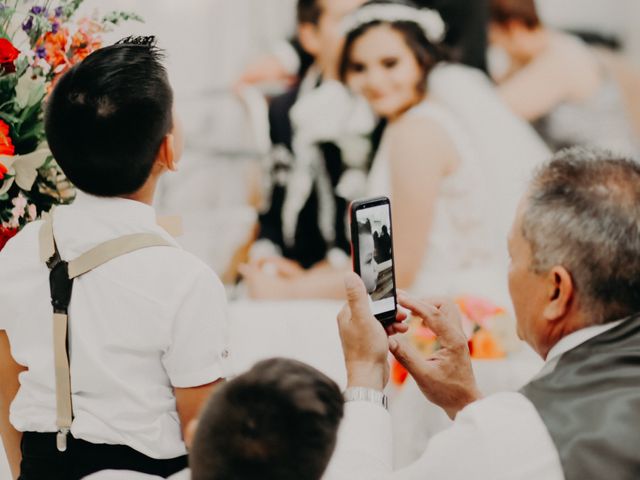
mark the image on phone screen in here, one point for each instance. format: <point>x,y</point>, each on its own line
<point>376,256</point>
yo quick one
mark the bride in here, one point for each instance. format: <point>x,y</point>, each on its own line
<point>453,159</point>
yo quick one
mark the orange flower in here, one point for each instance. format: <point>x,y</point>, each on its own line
<point>82,44</point>
<point>3,171</point>
<point>6,145</point>
<point>484,346</point>
<point>477,309</point>
<point>55,45</point>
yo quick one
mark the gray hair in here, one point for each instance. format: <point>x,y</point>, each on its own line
<point>583,212</point>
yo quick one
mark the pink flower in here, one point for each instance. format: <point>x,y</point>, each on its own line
<point>32,211</point>
<point>19,209</point>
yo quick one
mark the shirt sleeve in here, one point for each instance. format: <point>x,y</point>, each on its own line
<point>490,439</point>
<point>364,448</point>
<point>199,349</point>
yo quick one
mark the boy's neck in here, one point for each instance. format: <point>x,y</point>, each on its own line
<point>146,193</point>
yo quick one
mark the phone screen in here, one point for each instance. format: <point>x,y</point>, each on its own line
<point>373,252</point>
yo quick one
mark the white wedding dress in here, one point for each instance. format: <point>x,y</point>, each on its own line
<point>466,253</point>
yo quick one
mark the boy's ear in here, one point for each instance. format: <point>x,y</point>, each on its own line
<point>166,158</point>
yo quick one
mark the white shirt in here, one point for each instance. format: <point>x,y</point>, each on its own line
<point>500,437</point>
<point>139,325</point>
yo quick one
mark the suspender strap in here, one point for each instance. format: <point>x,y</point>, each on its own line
<point>113,249</point>
<point>61,276</point>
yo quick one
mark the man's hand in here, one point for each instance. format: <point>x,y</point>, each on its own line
<point>364,341</point>
<point>445,378</point>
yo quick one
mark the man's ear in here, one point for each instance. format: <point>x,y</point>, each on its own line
<point>308,37</point>
<point>166,158</point>
<point>560,293</point>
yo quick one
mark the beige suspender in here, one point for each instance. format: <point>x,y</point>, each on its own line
<point>81,265</point>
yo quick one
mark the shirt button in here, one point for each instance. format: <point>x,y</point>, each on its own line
<point>225,353</point>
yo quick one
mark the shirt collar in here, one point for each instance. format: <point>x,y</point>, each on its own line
<point>577,338</point>
<point>117,207</point>
<point>570,342</point>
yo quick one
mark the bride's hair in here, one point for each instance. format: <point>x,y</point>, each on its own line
<point>427,53</point>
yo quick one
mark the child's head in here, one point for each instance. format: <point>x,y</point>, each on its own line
<point>366,251</point>
<point>278,421</point>
<point>109,119</point>
<point>319,30</point>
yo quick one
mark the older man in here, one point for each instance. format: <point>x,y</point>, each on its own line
<point>575,285</point>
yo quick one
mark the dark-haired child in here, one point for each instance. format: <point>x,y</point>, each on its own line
<point>144,333</point>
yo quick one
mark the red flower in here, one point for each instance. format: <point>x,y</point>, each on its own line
<point>6,145</point>
<point>8,55</point>
<point>6,234</point>
<point>3,171</point>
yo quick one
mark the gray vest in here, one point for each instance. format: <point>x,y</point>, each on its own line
<point>590,404</point>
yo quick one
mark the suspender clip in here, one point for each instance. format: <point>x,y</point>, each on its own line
<point>61,439</point>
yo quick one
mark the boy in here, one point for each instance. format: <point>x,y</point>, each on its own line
<point>146,338</point>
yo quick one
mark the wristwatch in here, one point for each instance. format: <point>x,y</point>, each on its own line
<point>362,394</point>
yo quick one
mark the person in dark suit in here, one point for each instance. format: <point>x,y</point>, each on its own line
<point>304,222</point>
<point>385,245</point>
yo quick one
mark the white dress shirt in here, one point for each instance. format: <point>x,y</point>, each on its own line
<point>500,437</point>
<point>139,326</point>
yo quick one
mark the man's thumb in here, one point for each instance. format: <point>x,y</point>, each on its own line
<point>356,295</point>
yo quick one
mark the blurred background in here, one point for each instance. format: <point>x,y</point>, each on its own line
<point>208,45</point>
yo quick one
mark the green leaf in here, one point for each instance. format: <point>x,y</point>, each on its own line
<point>116,17</point>
<point>7,117</point>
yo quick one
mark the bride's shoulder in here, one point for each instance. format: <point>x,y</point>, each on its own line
<point>420,122</point>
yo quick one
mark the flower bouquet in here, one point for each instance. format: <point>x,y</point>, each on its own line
<point>38,43</point>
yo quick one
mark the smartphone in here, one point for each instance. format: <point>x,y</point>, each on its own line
<point>372,254</point>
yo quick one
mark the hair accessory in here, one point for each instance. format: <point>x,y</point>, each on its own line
<point>142,41</point>
<point>430,21</point>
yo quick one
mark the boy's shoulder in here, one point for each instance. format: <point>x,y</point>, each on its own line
<point>24,246</point>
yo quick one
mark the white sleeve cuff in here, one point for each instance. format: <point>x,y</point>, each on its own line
<point>365,443</point>
<point>201,377</point>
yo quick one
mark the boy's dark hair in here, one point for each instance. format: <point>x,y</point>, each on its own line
<point>107,117</point>
<point>309,11</point>
<point>278,421</point>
